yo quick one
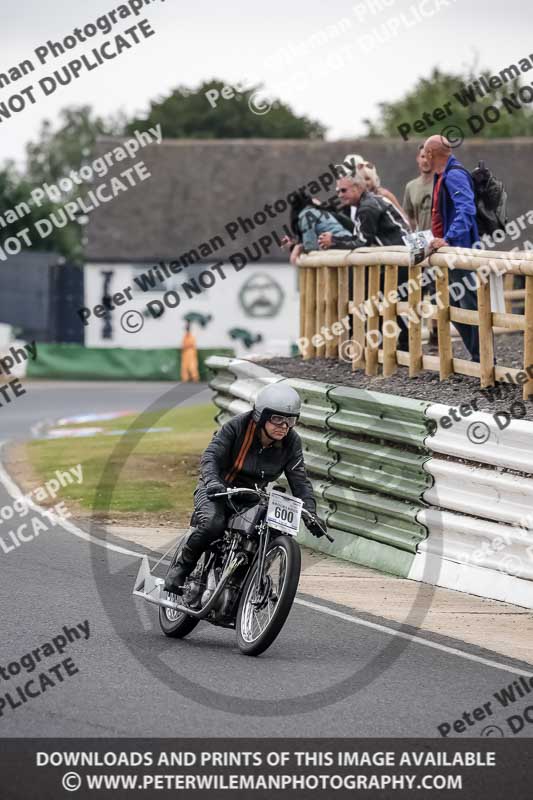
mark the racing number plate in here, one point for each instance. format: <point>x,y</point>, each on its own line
<point>284,513</point>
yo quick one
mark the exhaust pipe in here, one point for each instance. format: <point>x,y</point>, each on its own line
<point>150,588</point>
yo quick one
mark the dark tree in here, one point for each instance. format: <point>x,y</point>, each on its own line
<point>188,114</point>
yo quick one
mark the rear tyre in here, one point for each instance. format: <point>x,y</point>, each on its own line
<point>174,623</point>
<point>177,624</point>
<point>261,615</point>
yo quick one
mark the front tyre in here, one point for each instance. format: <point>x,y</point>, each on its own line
<point>263,610</point>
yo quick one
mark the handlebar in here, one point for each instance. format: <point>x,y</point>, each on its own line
<point>262,493</point>
<point>322,527</point>
<point>238,490</point>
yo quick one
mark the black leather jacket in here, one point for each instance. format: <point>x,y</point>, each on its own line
<point>236,457</point>
<point>378,222</point>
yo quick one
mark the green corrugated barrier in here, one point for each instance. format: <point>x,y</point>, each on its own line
<point>379,415</point>
<point>76,362</point>
<point>364,452</point>
<point>316,405</point>
<point>367,464</point>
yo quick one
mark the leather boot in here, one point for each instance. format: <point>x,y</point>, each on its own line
<point>180,571</point>
<point>176,577</point>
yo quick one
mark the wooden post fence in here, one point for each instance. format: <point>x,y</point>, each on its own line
<point>360,326</point>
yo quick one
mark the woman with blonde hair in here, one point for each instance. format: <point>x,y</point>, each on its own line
<point>373,184</point>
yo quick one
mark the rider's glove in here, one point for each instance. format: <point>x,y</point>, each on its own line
<point>315,526</point>
<point>215,487</point>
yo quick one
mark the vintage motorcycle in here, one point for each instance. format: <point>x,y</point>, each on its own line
<point>246,580</point>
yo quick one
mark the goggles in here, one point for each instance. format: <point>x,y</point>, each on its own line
<point>278,419</point>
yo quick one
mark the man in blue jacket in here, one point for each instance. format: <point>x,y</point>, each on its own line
<point>453,224</point>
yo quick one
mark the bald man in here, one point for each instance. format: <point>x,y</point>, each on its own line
<point>453,223</point>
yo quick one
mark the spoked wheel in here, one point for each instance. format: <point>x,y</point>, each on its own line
<point>174,623</point>
<point>264,609</point>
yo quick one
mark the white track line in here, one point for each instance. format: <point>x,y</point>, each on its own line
<point>416,639</point>
<point>15,492</point>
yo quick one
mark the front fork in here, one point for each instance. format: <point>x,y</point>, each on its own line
<point>262,586</point>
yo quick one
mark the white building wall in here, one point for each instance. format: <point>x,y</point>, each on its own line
<point>261,299</point>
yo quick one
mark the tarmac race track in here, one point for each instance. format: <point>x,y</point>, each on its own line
<point>326,675</point>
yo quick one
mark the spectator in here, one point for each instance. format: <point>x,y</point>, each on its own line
<point>356,162</point>
<point>417,204</point>
<point>352,162</point>
<point>453,223</point>
<point>378,222</point>
<point>417,196</point>
<point>373,184</point>
<point>189,357</point>
<point>308,221</point>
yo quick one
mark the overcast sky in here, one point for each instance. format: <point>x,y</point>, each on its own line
<point>372,53</point>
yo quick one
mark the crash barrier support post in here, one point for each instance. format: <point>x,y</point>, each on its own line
<point>375,304</point>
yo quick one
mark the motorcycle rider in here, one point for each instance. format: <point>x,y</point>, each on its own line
<point>252,448</point>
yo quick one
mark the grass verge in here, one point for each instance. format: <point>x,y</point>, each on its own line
<point>156,481</point>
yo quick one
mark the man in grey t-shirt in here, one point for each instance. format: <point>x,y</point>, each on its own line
<point>417,196</point>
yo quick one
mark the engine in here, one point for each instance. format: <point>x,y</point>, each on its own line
<point>226,608</point>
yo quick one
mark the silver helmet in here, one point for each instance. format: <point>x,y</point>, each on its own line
<point>278,398</point>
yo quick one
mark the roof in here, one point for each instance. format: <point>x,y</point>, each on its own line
<point>198,187</point>
<point>33,259</point>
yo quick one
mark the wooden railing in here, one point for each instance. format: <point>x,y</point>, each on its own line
<point>325,302</point>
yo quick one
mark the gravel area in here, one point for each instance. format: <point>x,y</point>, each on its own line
<point>453,391</point>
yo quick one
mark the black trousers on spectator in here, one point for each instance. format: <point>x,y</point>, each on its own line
<point>468,333</point>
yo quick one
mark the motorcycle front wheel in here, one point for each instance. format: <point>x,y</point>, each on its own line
<point>264,609</point>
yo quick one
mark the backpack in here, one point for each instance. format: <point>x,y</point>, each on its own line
<point>490,198</point>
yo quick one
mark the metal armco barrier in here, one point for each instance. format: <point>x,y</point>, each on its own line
<point>383,416</point>
<point>371,506</point>
<point>395,490</point>
<point>473,555</point>
<point>484,492</point>
<point>480,518</point>
<point>510,448</point>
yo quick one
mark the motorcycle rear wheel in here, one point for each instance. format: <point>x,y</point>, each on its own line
<point>258,625</point>
<point>177,624</point>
